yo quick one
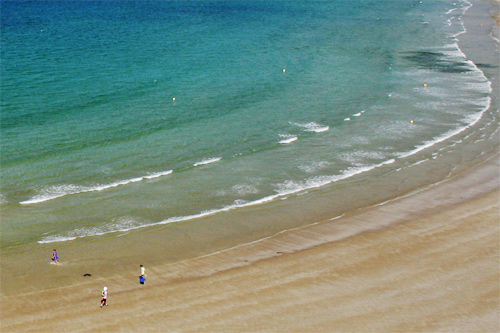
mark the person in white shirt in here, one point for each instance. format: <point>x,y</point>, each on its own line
<point>104,295</point>
<point>143,271</point>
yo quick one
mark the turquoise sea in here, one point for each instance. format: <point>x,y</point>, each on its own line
<point>119,115</point>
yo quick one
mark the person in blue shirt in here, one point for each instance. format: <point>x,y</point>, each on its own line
<point>55,257</point>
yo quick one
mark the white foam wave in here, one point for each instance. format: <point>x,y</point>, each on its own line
<point>55,239</point>
<point>122,225</point>
<point>158,174</point>
<point>472,120</point>
<point>55,192</point>
<point>291,187</point>
<point>464,8</point>
<point>288,138</point>
<point>208,161</point>
<point>313,127</point>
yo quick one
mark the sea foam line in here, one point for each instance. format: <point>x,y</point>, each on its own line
<point>207,161</point>
<point>312,127</point>
<point>283,190</point>
<point>55,192</point>
<point>427,144</point>
<point>486,88</point>
<point>447,135</point>
<point>287,138</point>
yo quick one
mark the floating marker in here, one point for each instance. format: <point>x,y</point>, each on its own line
<point>173,99</point>
<point>412,122</point>
<point>425,84</point>
<point>284,70</point>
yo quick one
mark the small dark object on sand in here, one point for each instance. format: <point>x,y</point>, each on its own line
<point>87,274</point>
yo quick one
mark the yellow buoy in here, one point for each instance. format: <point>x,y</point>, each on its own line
<point>284,70</point>
<point>425,84</point>
<point>412,122</point>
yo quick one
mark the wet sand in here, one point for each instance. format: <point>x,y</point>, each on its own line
<point>426,262</point>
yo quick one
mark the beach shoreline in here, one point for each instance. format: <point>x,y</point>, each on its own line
<point>429,270</point>
<point>306,277</point>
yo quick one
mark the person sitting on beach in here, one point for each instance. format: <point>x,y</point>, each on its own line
<point>55,257</point>
<point>104,295</point>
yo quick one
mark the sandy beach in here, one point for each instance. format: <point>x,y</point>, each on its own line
<point>428,261</point>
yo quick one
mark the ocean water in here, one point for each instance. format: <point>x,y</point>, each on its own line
<point>119,115</point>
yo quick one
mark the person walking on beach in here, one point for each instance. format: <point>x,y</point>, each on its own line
<point>104,295</point>
<point>142,277</point>
<point>55,257</point>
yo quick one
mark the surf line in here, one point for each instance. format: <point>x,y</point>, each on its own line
<point>207,161</point>
<point>61,191</point>
<point>312,183</point>
<point>64,190</point>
